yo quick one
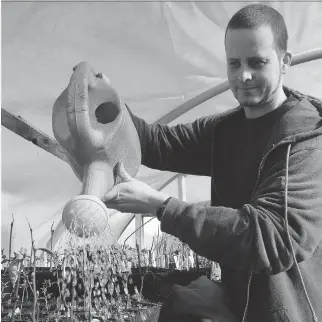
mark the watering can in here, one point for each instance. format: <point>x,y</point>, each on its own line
<point>91,122</point>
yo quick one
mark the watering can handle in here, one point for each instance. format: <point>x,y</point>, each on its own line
<point>78,119</point>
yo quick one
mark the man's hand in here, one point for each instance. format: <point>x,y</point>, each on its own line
<point>202,298</point>
<point>133,196</point>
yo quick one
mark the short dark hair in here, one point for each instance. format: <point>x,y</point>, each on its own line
<point>257,15</point>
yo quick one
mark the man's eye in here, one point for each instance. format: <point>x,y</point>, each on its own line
<point>257,63</point>
<point>234,64</point>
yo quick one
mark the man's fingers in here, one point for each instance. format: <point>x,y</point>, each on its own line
<point>121,172</point>
<point>112,205</point>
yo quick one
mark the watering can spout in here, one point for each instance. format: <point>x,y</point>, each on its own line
<point>92,123</point>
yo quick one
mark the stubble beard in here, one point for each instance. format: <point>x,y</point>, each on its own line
<point>268,97</point>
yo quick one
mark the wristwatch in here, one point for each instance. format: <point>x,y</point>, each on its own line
<point>160,210</point>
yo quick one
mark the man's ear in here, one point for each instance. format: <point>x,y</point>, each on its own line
<point>286,61</point>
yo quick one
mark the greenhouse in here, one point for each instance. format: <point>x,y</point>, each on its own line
<point>165,62</point>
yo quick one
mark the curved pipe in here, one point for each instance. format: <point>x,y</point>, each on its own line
<point>224,86</point>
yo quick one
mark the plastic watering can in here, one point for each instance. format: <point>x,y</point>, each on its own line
<point>92,124</point>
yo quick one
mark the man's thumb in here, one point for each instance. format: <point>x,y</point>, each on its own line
<point>112,194</point>
<point>121,172</point>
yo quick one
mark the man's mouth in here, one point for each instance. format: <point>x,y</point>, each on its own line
<point>246,88</point>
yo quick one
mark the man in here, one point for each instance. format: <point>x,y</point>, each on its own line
<point>264,225</point>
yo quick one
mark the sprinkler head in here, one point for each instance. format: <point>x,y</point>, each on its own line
<point>85,215</point>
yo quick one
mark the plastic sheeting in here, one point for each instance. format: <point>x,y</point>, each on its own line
<point>157,55</point>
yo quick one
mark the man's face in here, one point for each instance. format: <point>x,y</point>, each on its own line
<point>253,65</point>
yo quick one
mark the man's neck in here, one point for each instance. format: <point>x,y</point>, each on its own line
<point>253,112</point>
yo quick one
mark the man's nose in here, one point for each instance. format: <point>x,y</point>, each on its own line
<point>245,74</point>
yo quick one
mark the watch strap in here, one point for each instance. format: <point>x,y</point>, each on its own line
<point>160,210</point>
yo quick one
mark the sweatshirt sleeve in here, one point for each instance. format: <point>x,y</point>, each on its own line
<point>254,237</point>
<point>184,148</point>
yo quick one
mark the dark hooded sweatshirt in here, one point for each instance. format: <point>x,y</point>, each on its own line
<point>264,225</point>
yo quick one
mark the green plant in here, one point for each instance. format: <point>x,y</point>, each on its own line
<point>96,280</point>
<point>25,286</point>
<point>10,237</point>
<point>4,285</point>
<point>14,269</point>
<point>34,253</point>
<point>46,295</point>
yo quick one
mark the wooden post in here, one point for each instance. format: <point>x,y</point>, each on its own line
<point>29,132</point>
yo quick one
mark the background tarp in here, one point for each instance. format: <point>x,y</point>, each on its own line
<point>157,55</point>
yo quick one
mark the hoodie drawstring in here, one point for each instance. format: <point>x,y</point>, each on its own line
<point>315,319</point>
<point>247,296</point>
